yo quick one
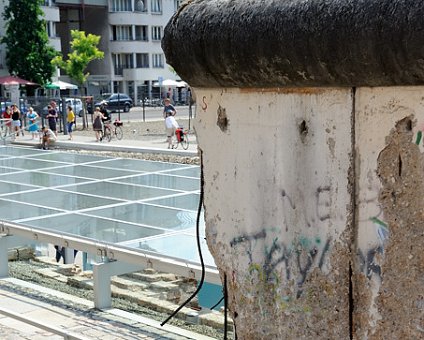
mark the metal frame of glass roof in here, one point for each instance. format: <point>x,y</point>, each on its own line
<point>138,212</point>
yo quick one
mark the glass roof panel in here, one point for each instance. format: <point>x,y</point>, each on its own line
<point>164,181</point>
<point>190,201</point>
<point>61,200</point>
<point>6,188</point>
<point>188,172</point>
<point>95,228</point>
<point>17,151</point>
<point>129,202</point>
<point>176,245</point>
<point>22,163</point>
<point>41,179</point>
<point>13,211</point>
<point>74,158</point>
<point>120,190</point>
<point>93,172</point>
<point>140,164</point>
<point>150,215</point>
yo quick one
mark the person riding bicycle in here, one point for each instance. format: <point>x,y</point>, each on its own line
<point>106,114</point>
<point>107,118</point>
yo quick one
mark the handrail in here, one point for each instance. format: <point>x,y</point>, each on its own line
<point>113,252</point>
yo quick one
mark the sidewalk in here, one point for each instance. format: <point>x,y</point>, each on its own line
<point>124,145</point>
<point>48,313</point>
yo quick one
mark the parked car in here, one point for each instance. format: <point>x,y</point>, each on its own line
<point>75,103</point>
<point>116,101</point>
<point>4,105</point>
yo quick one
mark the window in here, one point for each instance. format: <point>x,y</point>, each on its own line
<point>156,6</point>
<point>121,5</point>
<point>142,60</point>
<point>178,4</point>
<point>121,61</point>
<point>122,33</point>
<point>157,60</point>
<point>140,5</point>
<point>156,33</point>
<point>141,33</point>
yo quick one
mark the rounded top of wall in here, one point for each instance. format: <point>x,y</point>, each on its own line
<point>297,43</point>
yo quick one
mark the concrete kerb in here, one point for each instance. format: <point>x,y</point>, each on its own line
<point>73,145</point>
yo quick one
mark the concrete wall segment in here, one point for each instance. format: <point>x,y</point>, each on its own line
<point>383,249</point>
<point>274,43</point>
<point>276,206</point>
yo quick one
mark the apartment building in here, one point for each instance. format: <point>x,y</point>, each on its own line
<point>131,33</point>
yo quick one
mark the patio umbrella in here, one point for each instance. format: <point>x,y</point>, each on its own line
<point>12,80</point>
<point>60,85</point>
<point>167,82</point>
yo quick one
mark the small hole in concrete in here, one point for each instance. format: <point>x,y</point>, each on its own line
<point>303,130</point>
<point>222,120</point>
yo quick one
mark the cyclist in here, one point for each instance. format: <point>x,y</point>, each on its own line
<point>106,119</point>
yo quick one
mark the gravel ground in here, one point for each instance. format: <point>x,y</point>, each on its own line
<point>26,270</point>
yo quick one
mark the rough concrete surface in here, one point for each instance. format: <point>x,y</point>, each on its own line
<point>401,171</point>
<point>274,43</point>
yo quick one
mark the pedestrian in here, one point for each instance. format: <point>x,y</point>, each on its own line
<point>168,109</point>
<point>33,124</point>
<point>7,116</point>
<point>61,253</point>
<point>16,120</point>
<point>70,119</point>
<point>51,118</point>
<point>97,123</point>
<point>48,138</point>
<point>171,126</point>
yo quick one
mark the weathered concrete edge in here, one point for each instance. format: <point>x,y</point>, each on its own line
<point>113,148</point>
<point>253,43</point>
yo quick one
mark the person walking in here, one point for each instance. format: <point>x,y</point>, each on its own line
<point>70,119</point>
<point>97,123</point>
<point>16,120</point>
<point>7,116</point>
<point>51,118</point>
<point>33,124</point>
<point>168,109</point>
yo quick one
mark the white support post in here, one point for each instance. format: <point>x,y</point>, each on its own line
<point>69,256</point>
<point>102,289</point>
<point>102,272</point>
<point>4,261</point>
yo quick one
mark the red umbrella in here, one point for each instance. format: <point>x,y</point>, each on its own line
<point>12,80</point>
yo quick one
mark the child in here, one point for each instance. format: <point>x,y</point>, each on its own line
<point>48,138</point>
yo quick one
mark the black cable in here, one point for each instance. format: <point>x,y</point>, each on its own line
<point>202,279</point>
<point>217,303</point>
<point>225,306</point>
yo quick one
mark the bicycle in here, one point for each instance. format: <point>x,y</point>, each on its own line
<point>109,131</point>
<point>182,138</point>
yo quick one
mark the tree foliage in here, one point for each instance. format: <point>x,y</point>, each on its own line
<point>83,51</point>
<point>29,54</point>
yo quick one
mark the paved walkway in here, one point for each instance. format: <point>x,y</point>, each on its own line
<point>49,314</point>
<point>126,145</point>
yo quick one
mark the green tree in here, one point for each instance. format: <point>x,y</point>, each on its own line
<point>29,54</point>
<point>83,51</point>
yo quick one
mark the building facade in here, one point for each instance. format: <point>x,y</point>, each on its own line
<point>131,33</point>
